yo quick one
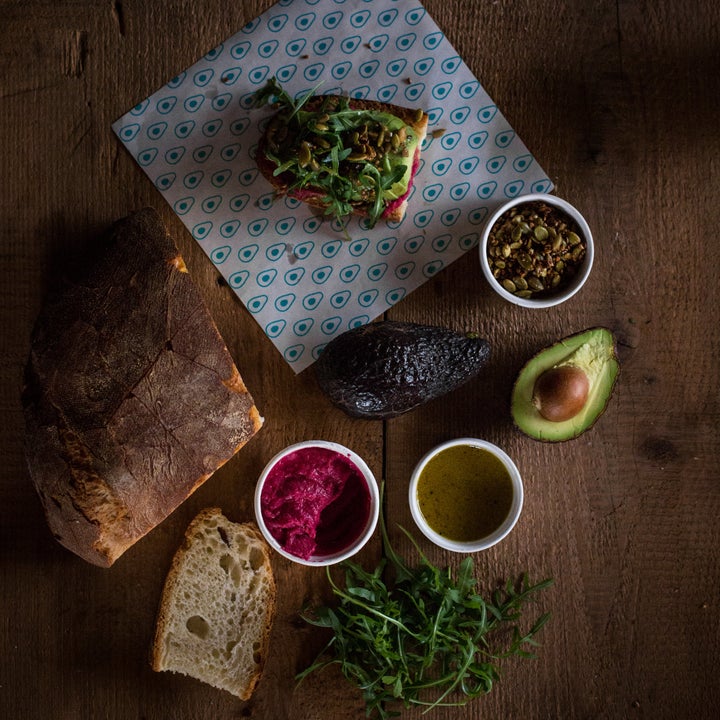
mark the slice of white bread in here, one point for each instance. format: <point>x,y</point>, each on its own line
<point>217,605</point>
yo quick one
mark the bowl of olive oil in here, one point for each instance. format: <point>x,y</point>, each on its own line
<point>466,495</point>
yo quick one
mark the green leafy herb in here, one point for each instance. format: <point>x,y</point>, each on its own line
<point>352,157</point>
<point>426,638</point>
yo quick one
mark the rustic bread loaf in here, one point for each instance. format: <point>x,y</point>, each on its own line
<point>131,398</point>
<point>217,606</point>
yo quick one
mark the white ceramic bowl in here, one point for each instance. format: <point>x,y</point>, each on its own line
<point>568,290</point>
<point>364,533</point>
<point>481,543</point>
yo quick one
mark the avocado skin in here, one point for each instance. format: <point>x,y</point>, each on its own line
<point>387,368</point>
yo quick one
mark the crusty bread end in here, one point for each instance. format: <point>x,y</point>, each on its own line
<point>217,605</point>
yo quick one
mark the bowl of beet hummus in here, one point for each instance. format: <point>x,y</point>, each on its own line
<point>317,502</point>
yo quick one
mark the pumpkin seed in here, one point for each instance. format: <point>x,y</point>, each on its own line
<point>525,261</point>
<point>304,154</point>
<point>540,232</point>
<point>535,284</point>
<point>509,285</point>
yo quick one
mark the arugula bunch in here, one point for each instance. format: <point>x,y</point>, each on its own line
<point>426,637</point>
<point>332,149</point>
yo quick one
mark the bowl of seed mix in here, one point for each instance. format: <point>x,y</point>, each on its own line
<point>536,250</point>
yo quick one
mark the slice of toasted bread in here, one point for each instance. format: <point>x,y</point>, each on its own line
<point>395,210</point>
<point>217,605</point>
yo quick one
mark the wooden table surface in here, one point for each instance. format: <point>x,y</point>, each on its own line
<point>619,102</point>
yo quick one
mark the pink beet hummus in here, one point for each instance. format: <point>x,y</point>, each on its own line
<point>315,501</point>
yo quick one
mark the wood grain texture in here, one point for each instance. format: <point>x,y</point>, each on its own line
<point>620,104</point>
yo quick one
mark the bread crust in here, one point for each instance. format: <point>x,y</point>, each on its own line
<point>313,196</point>
<point>131,398</point>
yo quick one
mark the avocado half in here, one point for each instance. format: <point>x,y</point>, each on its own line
<point>593,352</point>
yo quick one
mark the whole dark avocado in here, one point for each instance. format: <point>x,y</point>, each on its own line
<point>387,368</point>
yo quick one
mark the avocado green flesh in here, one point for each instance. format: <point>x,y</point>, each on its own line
<point>399,188</point>
<point>593,351</point>
<point>394,123</point>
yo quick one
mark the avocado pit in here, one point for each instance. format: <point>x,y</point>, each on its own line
<point>560,393</point>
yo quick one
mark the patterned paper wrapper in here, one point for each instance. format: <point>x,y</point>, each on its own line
<point>294,270</point>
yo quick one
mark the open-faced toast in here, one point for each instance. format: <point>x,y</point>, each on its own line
<point>343,155</point>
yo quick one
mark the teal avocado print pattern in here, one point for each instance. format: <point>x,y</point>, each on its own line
<point>195,139</point>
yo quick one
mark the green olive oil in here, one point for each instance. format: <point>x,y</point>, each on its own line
<point>465,493</point>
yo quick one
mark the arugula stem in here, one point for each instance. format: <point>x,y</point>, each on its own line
<point>354,601</point>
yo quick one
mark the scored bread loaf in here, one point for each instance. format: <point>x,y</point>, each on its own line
<point>132,400</point>
<point>217,605</point>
